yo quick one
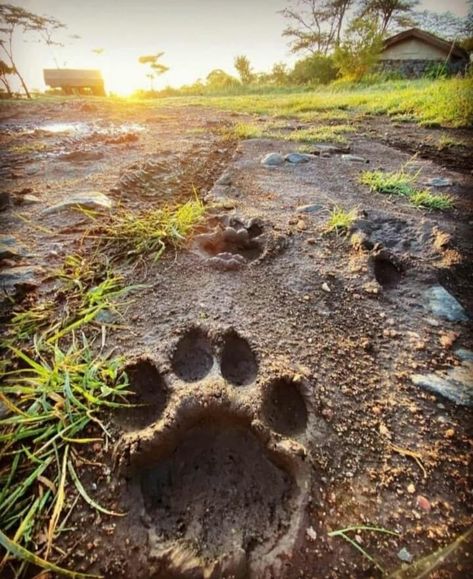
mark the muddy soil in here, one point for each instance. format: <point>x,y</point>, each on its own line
<point>274,360</point>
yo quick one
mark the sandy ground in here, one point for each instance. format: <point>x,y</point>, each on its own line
<point>281,404</point>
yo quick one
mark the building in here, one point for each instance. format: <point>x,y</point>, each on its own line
<point>414,52</point>
<point>76,80</point>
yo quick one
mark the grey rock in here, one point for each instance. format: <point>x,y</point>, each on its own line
<point>464,354</point>
<point>456,384</point>
<point>30,199</point>
<point>354,159</point>
<point>297,158</point>
<point>405,556</point>
<point>90,200</point>
<point>440,182</point>
<point>9,248</point>
<point>444,305</point>
<point>312,208</point>
<point>28,275</point>
<point>272,159</point>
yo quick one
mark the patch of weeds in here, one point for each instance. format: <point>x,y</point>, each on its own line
<point>129,234</point>
<point>344,534</point>
<point>50,397</point>
<point>27,148</point>
<point>401,184</point>
<point>428,200</point>
<point>425,566</point>
<point>396,183</point>
<point>244,131</point>
<point>445,142</point>
<point>340,220</point>
<point>330,134</point>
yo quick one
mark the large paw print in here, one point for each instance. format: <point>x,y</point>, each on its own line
<point>216,458</point>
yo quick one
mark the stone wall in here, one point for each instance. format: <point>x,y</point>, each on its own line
<point>417,68</point>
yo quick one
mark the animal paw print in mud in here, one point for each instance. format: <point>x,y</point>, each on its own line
<point>216,459</point>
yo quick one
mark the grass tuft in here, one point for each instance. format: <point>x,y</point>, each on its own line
<point>50,398</point>
<point>340,220</point>
<point>396,183</point>
<point>402,184</point>
<point>150,233</point>
<point>428,200</point>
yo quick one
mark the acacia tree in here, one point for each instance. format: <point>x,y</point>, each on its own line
<point>315,26</point>
<point>156,68</point>
<point>14,19</point>
<point>5,71</point>
<point>360,50</point>
<point>243,67</point>
<point>389,12</point>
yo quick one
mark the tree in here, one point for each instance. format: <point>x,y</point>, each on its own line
<point>219,79</point>
<point>155,68</point>
<point>315,26</point>
<point>243,67</point>
<point>279,74</point>
<point>314,69</point>
<point>388,12</point>
<point>6,70</point>
<point>14,18</point>
<point>360,50</point>
<point>443,24</point>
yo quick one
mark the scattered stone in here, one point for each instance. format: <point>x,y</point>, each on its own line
<point>9,248</point>
<point>456,384</point>
<point>312,208</point>
<point>297,158</point>
<point>449,433</point>
<point>444,305</point>
<point>272,159</point>
<point>311,240</point>
<point>405,556</point>
<point>464,354</point>
<point>326,287</point>
<point>28,275</point>
<point>311,534</point>
<point>440,182</point>
<point>448,339</point>
<point>301,225</point>
<point>90,200</point>
<point>423,504</point>
<point>411,489</point>
<point>354,159</point>
<point>372,287</point>
<point>28,199</point>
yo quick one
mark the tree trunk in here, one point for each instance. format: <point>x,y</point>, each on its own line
<point>23,83</point>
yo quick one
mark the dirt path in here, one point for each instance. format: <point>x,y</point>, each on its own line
<point>278,362</point>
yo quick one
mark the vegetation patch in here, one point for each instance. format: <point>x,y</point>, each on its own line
<point>402,184</point>
<point>340,220</point>
<point>130,235</point>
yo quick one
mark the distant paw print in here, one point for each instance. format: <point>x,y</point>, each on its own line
<point>215,454</point>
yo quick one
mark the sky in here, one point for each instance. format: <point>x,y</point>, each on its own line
<point>195,35</point>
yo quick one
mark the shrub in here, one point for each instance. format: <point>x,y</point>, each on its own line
<point>315,69</point>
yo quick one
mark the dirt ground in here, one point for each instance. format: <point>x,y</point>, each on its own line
<point>277,376</point>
